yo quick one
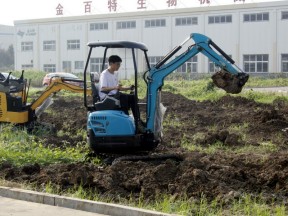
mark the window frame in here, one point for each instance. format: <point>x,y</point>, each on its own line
<point>190,63</point>
<point>220,19</point>
<point>256,63</point>
<point>49,68</point>
<point>96,64</point>
<point>78,65</point>
<point>284,63</point>
<point>73,44</point>
<point>126,24</point>
<point>188,21</point>
<point>67,66</point>
<point>255,17</point>
<point>98,26</point>
<point>49,46</point>
<point>27,46</point>
<point>284,15</point>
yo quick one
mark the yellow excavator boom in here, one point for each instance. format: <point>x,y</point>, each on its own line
<point>56,86</point>
<point>13,110</point>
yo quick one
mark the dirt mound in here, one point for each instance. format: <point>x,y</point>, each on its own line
<point>232,121</point>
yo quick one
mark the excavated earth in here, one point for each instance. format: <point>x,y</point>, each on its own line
<point>233,123</point>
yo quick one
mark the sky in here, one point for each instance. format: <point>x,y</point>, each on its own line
<point>11,10</point>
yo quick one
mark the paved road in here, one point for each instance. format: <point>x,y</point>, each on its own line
<point>12,207</point>
<point>270,89</point>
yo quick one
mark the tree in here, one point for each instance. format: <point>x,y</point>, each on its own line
<point>7,58</point>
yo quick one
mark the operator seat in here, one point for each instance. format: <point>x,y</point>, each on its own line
<point>95,93</point>
<point>108,103</point>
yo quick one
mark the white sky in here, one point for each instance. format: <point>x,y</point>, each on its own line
<point>11,10</point>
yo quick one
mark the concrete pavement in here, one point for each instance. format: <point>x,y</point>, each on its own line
<point>42,203</point>
<point>12,207</point>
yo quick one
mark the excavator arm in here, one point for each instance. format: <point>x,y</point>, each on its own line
<point>56,86</point>
<point>231,78</point>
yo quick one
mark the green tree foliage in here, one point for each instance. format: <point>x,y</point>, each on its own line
<point>7,58</point>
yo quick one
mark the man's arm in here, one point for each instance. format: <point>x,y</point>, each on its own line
<point>118,88</point>
<point>108,89</point>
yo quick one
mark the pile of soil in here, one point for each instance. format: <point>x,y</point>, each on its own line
<point>233,122</point>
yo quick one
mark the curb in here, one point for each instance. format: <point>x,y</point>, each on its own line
<point>77,204</point>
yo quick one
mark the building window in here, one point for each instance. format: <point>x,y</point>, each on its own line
<point>190,66</point>
<point>284,62</point>
<point>49,45</point>
<point>220,19</point>
<point>186,21</point>
<point>284,15</point>
<point>98,26</point>
<point>49,67</point>
<point>153,60</point>
<point>256,17</point>
<point>73,44</point>
<point>27,66</point>
<point>26,46</point>
<point>126,25</point>
<point>212,67</point>
<point>155,23</point>
<point>66,66</point>
<point>96,65</point>
<point>256,63</point>
<point>79,64</point>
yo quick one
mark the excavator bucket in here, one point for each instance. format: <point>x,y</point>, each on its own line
<point>229,82</point>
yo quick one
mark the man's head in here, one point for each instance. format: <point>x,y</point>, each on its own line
<point>114,62</point>
<point>114,59</point>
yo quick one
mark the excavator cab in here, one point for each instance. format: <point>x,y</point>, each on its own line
<point>121,134</point>
<point>13,97</point>
<point>111,130</point>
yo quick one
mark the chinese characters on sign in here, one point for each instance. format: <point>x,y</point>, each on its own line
<point>171,3</point>
<point>112,5</point>
<point>204,2</point>
<point>59,10</point>
<point>141,4</point>
<point>87,6</point>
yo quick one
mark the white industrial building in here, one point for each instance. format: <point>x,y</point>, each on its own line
<point>254,34</point>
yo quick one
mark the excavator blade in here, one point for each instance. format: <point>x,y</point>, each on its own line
<point>229,82</point>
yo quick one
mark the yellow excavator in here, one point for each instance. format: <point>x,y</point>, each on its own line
<point>13,98</point>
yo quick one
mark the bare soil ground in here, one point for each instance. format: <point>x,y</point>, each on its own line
<point>234,122</point>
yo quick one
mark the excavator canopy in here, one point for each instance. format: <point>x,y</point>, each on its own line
<point>119,44</point>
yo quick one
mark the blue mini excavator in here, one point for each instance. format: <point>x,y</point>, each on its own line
<point>110,130</point>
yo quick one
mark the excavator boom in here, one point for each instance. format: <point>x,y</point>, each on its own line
<point>204,45</point>
<point>56,86</point>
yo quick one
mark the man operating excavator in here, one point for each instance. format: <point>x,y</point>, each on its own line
<point>109,85</point>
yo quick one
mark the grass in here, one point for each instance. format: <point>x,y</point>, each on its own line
<point>241,204</point>
<point>19,148</point>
